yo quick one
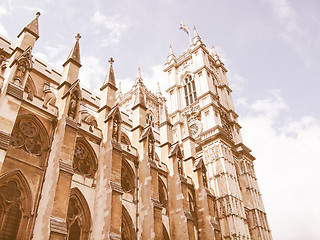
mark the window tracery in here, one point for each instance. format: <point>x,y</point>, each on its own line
<point>83,161</point>
<point>15,200</point>
<point>190,93</point>
<point>127,178</point>
<point>163,196</point>
<point>27,135</point>
<point>78,216</point>
<point>127,228</point>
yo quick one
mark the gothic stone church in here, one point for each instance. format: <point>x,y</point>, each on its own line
<point>76,165</point>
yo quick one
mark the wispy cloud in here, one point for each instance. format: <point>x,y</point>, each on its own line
<point>53,54</point>
<point>116,25</point>
<point>92,72</point>
<point>287,166</point>
<point>236,81</point>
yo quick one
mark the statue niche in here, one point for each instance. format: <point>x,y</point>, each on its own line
<point>73,105</point>
<point>150,148</point>
<point>24,63</point>
<point>115,129</point>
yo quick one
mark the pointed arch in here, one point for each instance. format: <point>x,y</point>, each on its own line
<point>30,134</point>
<point>78,216</point>
<point>88,117</point>
<point>125,139</point>
<point>15,205</point>
<point>127,229</point>
<point>127,178</point>
<point>84,158</point>
<point>30,88</point>
<point>163,196</point>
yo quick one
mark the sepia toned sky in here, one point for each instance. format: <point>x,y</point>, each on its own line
<point>270,47</point>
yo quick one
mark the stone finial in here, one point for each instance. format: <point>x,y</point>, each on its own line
<point>32,27</point>
<point>78,36</point>
<point>109,79</point>
<point>74,54</point>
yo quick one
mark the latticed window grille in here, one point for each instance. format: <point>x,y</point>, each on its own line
<point>190,93</point>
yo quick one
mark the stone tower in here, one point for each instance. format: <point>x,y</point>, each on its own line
<point>77,165</point>
<point>205,123</point>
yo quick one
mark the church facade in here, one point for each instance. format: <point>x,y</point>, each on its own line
<point>76,165</point>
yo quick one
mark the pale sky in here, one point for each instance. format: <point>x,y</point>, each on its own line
<point>270,47</point>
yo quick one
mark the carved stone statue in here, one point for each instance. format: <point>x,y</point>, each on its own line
<point>20,73</point>
<point>115,129</point>
<point>150,148</point>
<point>204,178</point>
<point>180,165</point>
<point>72,106</point>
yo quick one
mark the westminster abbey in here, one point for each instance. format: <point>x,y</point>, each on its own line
<point>77,165</point>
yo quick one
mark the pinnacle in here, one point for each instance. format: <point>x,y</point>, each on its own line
<point>32,27</point>
<point>75,52</point>
<point>139,100</point>
<point>110,75</point>
<point>195,32</point>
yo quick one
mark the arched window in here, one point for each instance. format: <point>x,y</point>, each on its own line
<point>125,139</point>
<point>127,228</point>
<point>84,159</point>
<point>190,93</point>
<point>78,216</point>
<point>30,135</point>
<point>127,178</point>
<point>163,196</point>
<point>15,205</point>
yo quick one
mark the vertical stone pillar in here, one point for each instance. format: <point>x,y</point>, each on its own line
<point>108,202</point>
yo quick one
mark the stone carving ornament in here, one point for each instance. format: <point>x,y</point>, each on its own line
<point>73,106</point>
<point>26,135</point>
<point>24,63</point>
<point>150,148</point>
<point>82,161</point>
<point>115,129</point>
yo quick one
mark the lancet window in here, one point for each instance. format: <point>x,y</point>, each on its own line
<point>78,216</point>
<point>28,136</point>
<point>163,196</point>
<point>127,178</point>
<point>84,161</point>
<point>15,200</point>
<point>127,228</point>
<point>190,93</point>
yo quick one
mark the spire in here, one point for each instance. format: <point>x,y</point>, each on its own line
<point>196,36</point>
<point>74,55</point>
<point>119,93</point>
<point>213,51</point>
<point>32,27</point>
<point>170,50</point>
<point>139,100</point>
<point>171,55</point>
<point>109,79</point>
<point>158,93</point>
<point>119,87</point>
<point>139,78</point>
<point>164,117</point>
<point>195,32</point>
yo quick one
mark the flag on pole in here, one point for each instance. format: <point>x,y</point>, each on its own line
<point>184,28</point>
